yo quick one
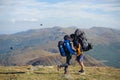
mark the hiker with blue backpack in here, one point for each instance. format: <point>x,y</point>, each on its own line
<point>65,48</point>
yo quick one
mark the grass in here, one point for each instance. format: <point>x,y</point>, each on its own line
<point>50,73</point>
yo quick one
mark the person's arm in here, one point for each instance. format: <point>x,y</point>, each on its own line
<point>69,47</point>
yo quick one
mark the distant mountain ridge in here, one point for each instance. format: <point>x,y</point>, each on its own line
<point>106,42</point>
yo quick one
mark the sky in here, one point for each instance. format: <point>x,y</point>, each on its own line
<point>22,15</point>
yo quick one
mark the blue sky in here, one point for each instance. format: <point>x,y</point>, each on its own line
<point>21,15</point>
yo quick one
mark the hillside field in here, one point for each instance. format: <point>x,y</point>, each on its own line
<point>32,48</point>
<point>51,73</point>
<point>18,51</point>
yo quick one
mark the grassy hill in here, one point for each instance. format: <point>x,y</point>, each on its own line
<point>50,73</point>
<point>41,57</point>
<point>108,54</point>
<point>27,47</point>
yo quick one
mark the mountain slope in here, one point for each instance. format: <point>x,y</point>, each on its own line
<point>106,42</point>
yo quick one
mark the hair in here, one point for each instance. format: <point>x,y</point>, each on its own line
<point>72,36</point>
<point>66,37</point>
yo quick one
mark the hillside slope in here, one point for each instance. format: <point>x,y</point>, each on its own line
<point>106,43</point>
<point>41,57</point>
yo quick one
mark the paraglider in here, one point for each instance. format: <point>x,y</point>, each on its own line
<point>41,24</point>
<point>11,48</point>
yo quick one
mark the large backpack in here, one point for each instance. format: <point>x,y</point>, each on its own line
<point>65,48</point>
<point>61,48</point>
<point>80,36</point>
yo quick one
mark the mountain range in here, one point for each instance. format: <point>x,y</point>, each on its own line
<point>39,46</point>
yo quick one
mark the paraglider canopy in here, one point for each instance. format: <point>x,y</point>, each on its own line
<point>11,48</point>
<point>41,24</point>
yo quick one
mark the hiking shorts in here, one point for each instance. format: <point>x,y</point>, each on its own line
<point>80,58</point>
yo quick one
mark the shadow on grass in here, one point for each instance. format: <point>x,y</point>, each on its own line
<point>12,72</point>
<point>45,73</point>
<point>25,72</point>
<point>33,72</point>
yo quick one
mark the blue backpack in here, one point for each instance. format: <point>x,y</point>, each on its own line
<point>61,48</point>
<point>65,47</point>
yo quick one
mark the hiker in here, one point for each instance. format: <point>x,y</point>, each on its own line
<point>81,45</point>
<point>69,52</point>
<point>79,52</point>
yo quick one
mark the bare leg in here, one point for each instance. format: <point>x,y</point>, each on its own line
<point>81,65</point>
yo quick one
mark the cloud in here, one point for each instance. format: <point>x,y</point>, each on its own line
<point>33,9</point>
<point>31,20</point>
<point>66,12</point>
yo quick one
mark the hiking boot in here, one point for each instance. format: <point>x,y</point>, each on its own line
<point>81,72</point>
<point>66,72</point>
<point>58,67</point>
